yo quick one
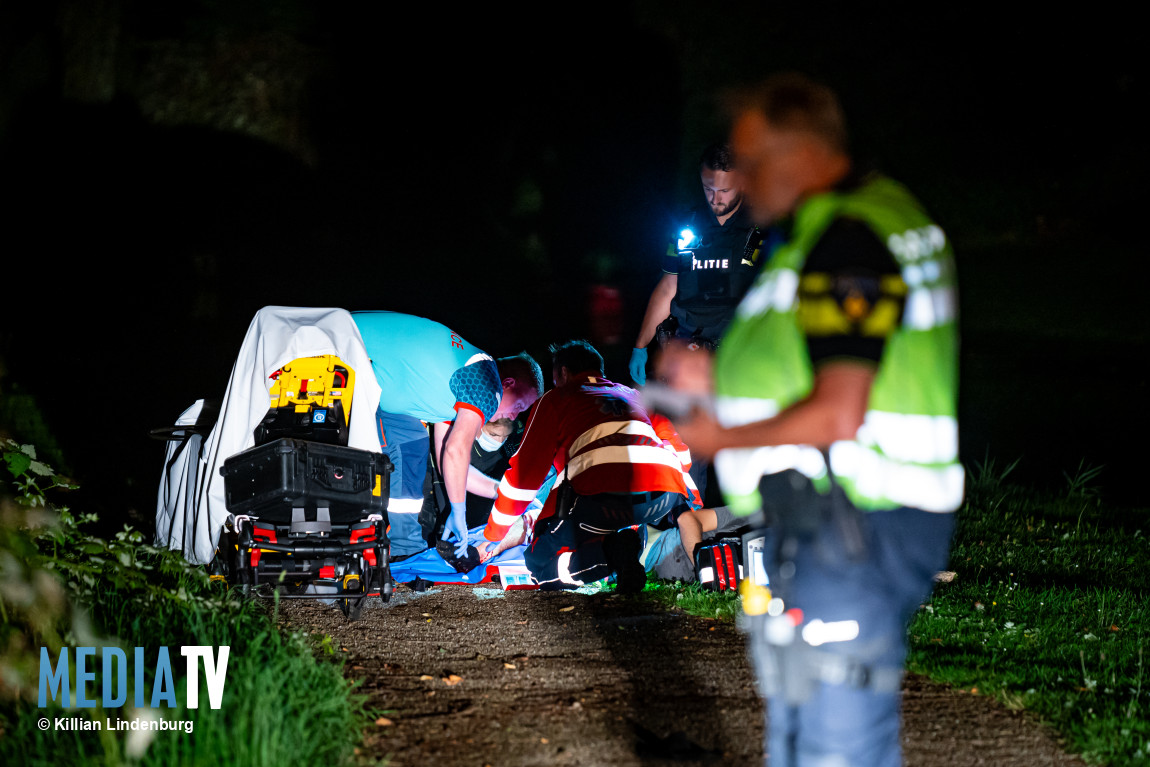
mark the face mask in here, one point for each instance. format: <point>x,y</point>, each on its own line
<point>487,443</point>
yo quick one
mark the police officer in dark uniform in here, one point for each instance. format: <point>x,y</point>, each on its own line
<point>708,267</point>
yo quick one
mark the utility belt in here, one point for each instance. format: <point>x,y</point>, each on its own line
<point>566,498</point>
<point>670,329</point>
<point>799,514</point>
<point>789,667</point>
<point>786,646</point>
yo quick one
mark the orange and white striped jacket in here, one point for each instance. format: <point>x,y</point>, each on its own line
<point>597,435</point>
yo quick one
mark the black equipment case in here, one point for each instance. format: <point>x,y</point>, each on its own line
<point>310,513</point>
<point>270,480</point>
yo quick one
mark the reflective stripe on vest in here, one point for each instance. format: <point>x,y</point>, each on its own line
<point>741,468</point>
<point>911,438</point>
<point>776,292</point>
<point>865,474</point>
<point>610,428</point>
<point>906,451</point>
<point>623,454</point>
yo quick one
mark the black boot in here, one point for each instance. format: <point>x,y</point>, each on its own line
<point>622,550</point>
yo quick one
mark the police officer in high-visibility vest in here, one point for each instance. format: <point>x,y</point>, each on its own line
<point>835,416</point>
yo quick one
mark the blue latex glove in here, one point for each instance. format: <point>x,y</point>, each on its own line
<point>638,366</point>
<point>456,527</point>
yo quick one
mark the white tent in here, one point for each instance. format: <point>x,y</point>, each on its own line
<point>190,509</point>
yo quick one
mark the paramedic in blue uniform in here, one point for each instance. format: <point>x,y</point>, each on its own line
<point>430,375</point>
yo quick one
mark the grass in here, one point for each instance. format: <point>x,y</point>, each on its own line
<point>285,699</point>
<point>695,600</point>
<point>1047,611</point>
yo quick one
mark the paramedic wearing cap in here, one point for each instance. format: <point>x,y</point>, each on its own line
<point>429,374</point>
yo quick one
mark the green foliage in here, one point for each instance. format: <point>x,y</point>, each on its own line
<point>22,418</point>
<point>988,478</point>
<point>27,475</point>
<point>1047,612</point>
<point>283,703</point>
<point>693,599</point>
<point>1082,482</point>
<point>34,609</point>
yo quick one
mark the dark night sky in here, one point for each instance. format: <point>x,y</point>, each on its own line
<point>480,167</point>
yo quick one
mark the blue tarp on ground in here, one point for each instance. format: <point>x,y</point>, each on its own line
<point>429,566</point>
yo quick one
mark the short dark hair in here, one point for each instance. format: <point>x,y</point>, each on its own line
<point>577,356</point>
<point>524,369</point>
<point>794,102</point>
<point>718,157</point>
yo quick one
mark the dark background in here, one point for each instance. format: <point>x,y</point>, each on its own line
<point>171,167</point>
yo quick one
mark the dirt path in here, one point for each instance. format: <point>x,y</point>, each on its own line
<point>474,676</point>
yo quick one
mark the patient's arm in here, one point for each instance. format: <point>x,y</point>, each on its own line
<point>692,525</point>
<point>456,439</point>
<point>480,484</point>
<point>516,535</point>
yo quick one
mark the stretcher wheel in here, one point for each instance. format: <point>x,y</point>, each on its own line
<point>242,576</point>
<point>221,568</point>
<point>353,608</point>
